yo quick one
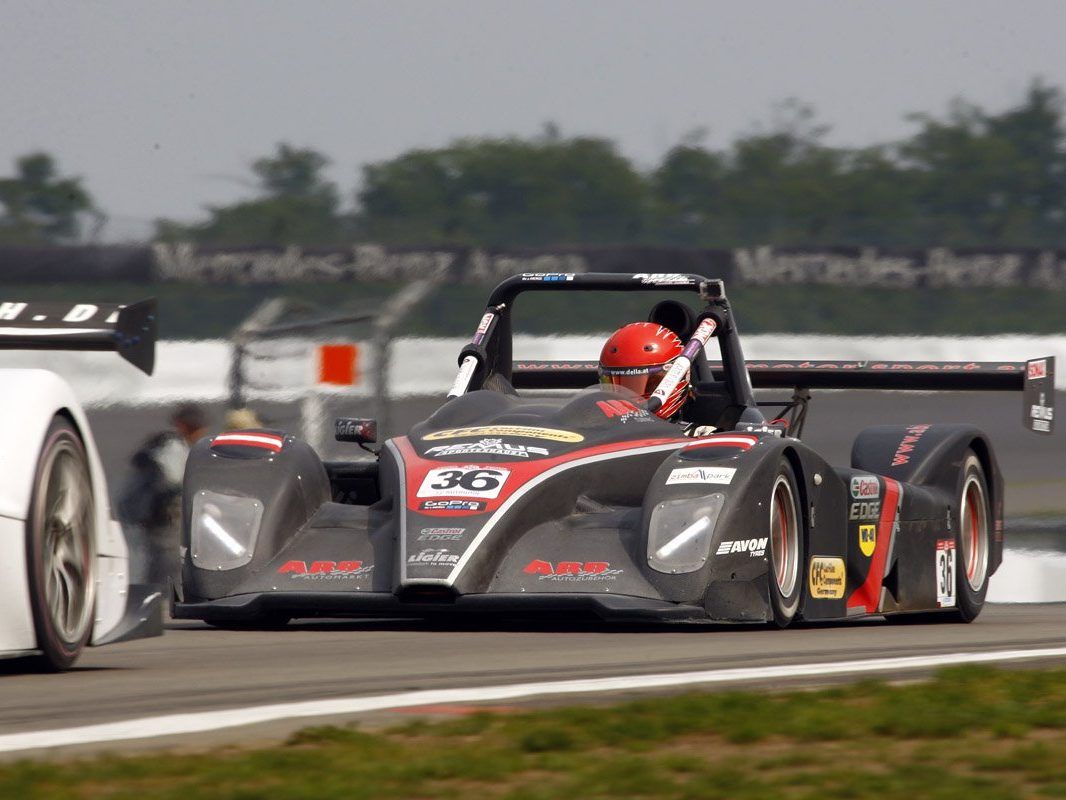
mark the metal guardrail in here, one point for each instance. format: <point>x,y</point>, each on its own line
<point>263,324</point>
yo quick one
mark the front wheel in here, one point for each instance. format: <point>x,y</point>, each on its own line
<point>61,547</point>
<point>786,546</point>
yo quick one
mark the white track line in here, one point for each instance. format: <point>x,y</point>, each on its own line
<point>175,724</point>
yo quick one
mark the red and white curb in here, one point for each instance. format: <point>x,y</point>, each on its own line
<point>200,722</point>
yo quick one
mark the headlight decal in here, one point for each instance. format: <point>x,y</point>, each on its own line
<point>224,529</point>
<point>691,532</point>
<point>681,531</point>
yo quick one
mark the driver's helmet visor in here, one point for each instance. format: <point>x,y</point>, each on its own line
<point>640,380</point>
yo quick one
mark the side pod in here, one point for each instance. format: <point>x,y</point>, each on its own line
<point>932,456</point>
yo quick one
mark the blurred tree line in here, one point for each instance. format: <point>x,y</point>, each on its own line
<point>968,178</point>
<point>39,207</point>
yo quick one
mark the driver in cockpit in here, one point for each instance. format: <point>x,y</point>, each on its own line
<point>637,357</point>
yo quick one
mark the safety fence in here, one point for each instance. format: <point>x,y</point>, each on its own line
<point>289,367</point>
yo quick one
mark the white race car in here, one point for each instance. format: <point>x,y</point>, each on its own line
<point>64,564</point>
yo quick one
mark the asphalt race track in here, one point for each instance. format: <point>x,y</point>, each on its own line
<point>195,669</point>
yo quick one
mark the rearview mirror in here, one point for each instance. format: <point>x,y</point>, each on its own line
<point>354,429</point>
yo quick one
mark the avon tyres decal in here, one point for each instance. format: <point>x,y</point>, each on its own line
<point>755,548</point>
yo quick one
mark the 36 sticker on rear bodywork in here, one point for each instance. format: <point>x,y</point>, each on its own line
<point>945,573</point>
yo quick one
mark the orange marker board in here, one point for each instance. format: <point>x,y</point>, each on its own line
<point>338,364</point>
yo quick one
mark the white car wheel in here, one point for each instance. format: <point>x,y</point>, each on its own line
<point>60,547</point>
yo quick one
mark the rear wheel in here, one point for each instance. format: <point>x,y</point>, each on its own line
<point>973,540</point>
<point>61,548</point>
<point>970,556</point>
<point>786,546</point>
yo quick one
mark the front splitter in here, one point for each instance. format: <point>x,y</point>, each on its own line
<point>248,607</point>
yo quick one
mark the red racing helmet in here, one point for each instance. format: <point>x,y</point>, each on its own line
<point>637,356</point>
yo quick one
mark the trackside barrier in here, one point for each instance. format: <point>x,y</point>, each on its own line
<point>198,370</point>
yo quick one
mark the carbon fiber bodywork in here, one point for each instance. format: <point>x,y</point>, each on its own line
<point>585,503</point>
<point>572,533</point>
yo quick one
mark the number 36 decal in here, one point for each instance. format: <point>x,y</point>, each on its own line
<point>464,482</point>
<point>945,573</point>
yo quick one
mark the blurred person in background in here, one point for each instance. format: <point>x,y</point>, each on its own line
<point>242,419</point>
<point>150,504</point>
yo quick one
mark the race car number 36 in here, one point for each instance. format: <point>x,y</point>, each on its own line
<point>464,482</point>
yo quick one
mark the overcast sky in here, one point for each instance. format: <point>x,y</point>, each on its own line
<point>161,106</point>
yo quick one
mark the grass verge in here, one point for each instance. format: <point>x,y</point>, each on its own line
<point>968,733</point>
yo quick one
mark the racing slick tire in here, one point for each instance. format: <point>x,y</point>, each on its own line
<point>61,548</point>
<point>786,546</point>
<point>972,547</point>
<point>973,540</point>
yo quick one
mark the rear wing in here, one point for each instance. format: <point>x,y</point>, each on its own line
<point>130,330</point>
<point>1034,378</point>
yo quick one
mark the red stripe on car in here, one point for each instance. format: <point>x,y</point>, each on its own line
<point>868,596</point>
<point>724,440</point>
<point>521,472</point>
<point>264,440</point>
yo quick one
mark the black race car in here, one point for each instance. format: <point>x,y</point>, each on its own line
<point>533,490</point>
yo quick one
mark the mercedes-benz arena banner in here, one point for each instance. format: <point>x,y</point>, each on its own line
<point>935,267</point>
